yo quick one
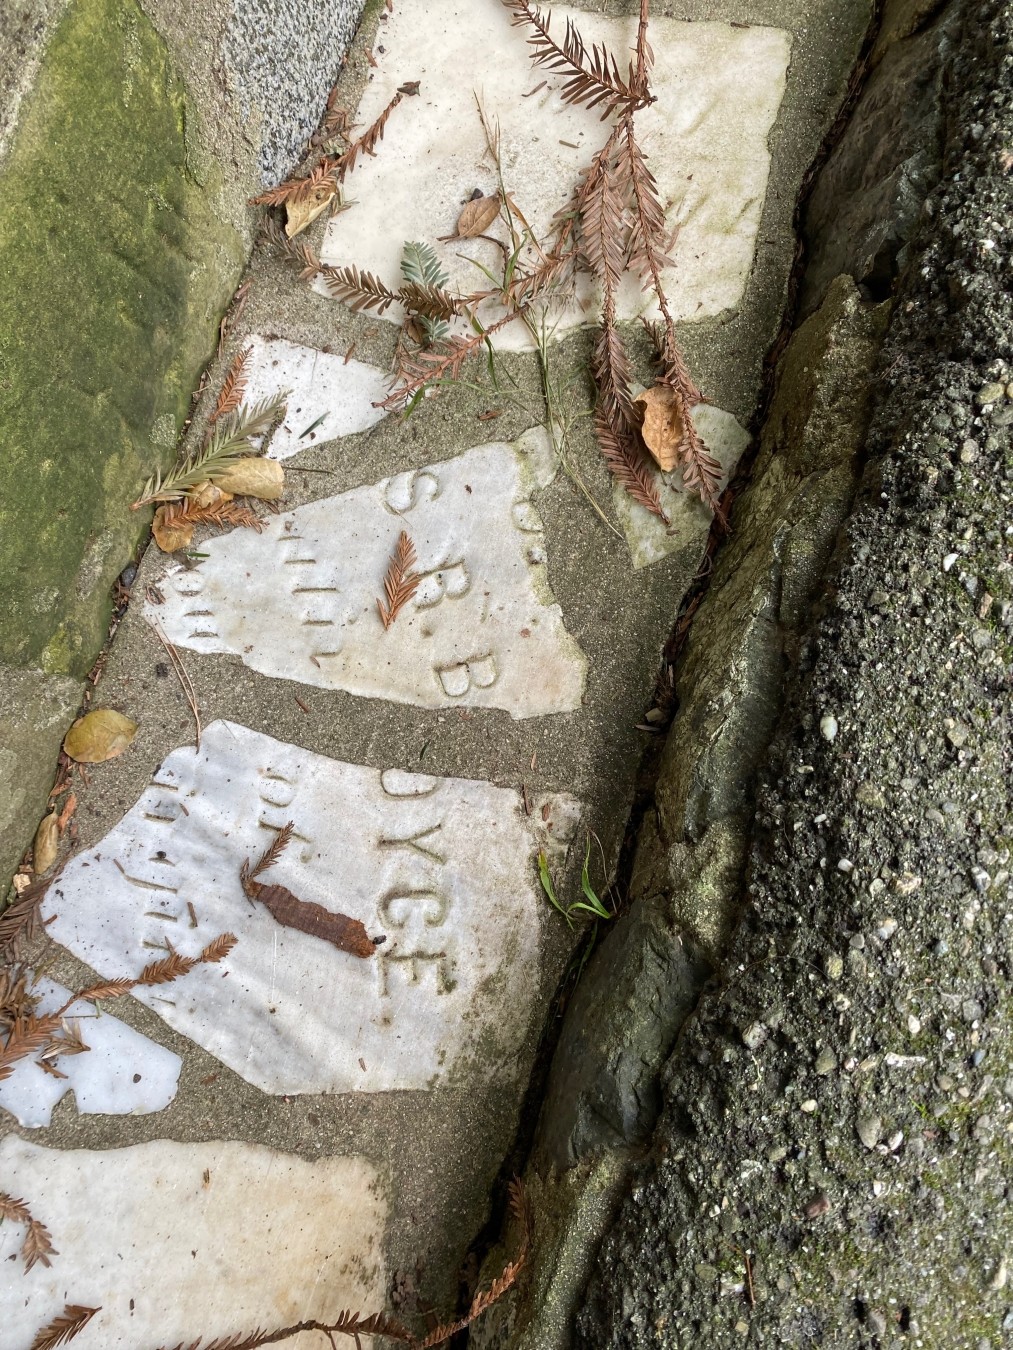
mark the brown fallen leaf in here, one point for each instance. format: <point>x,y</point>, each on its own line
<point>45,847</point>
<point>303,211</point>
<point>170,532</point>
<point>206,495</point>
<point>477,216</point>
<point>253,476</point>
<point>347,934</point>
<point>99,735</point>
<point>663,427</point>
<point>67,814</point>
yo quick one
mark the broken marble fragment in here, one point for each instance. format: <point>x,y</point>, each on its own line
<point>121,1073</point>
<point>175,1242</point>
<point>298,601</point>
<point>718,88</point>
<point>442,868</point>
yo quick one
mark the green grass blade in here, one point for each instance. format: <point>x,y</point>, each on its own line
<point>545,877</point>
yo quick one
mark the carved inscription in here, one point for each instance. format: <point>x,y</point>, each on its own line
<point>395,851</point>
<point>298,600</point>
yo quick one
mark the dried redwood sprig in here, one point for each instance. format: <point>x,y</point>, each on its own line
<point>627,465</point>
<point>62,1329</point>
<point>401,581</point>
<point>233,386</point>
<point>332,169</point>
<point>592,78</point>
<point>38,1242</point>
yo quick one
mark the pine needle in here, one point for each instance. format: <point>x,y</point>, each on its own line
<point>401,581</point>
<point>181,673</point>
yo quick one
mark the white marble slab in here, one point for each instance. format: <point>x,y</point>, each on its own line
<point>298,601</point>
<point>718,91</point>
<point>121,1073</point>
<point>443,867</point>
<point>179,1241</point>
<point>320,385</point>
<point>649,538</point>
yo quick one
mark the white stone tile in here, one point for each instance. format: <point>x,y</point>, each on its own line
<point>179,1241</point>
<point>320,385</point>
<point>648,537</point>
<point>718,92</point>
<point>444,867</point>
<point>298,601</point>
<point>122,1072</point>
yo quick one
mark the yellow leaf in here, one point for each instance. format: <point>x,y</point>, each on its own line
<point>303,211</point>
<point>663,427</point>
<point>253,477</point>
<point>98,736</point>
<point>477,216</point>
<point>171,534</point>
<point>47,838</point>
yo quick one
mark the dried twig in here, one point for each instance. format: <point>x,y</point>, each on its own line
<point>181,675</point>
<point>401,581</point>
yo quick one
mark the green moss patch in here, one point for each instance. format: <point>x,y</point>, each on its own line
<point>115,271</point>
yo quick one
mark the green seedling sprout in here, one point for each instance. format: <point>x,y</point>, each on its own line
<point>591,904</point>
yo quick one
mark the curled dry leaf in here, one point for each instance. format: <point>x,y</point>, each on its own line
<point>47,839</point>
<point>206,494</point>
<point>98,736</point>
<point>171,533</point>
<point>303,211</point>
<point>477,216</point>
<point>663,427</point>
<point>253,477</point>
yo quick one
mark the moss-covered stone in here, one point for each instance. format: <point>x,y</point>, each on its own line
<point>116,269</point>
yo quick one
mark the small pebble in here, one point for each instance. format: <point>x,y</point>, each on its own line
<point>949,560</point>
<point>828,726</point>
<point>808,1106</point>
<point>1001,1276</point>
<point>819,1205</point>
<point>876,1322</point>
<point>869,1129</point>
<point>886,930</point>
<point>914,1025</point>
<point>826,1062</point>
<point>834,966</point>
<point>907,883</point>
<point>895,1141</point>
<point>990,393</point>
<point>845,865</point>
<point>754,1036</point>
